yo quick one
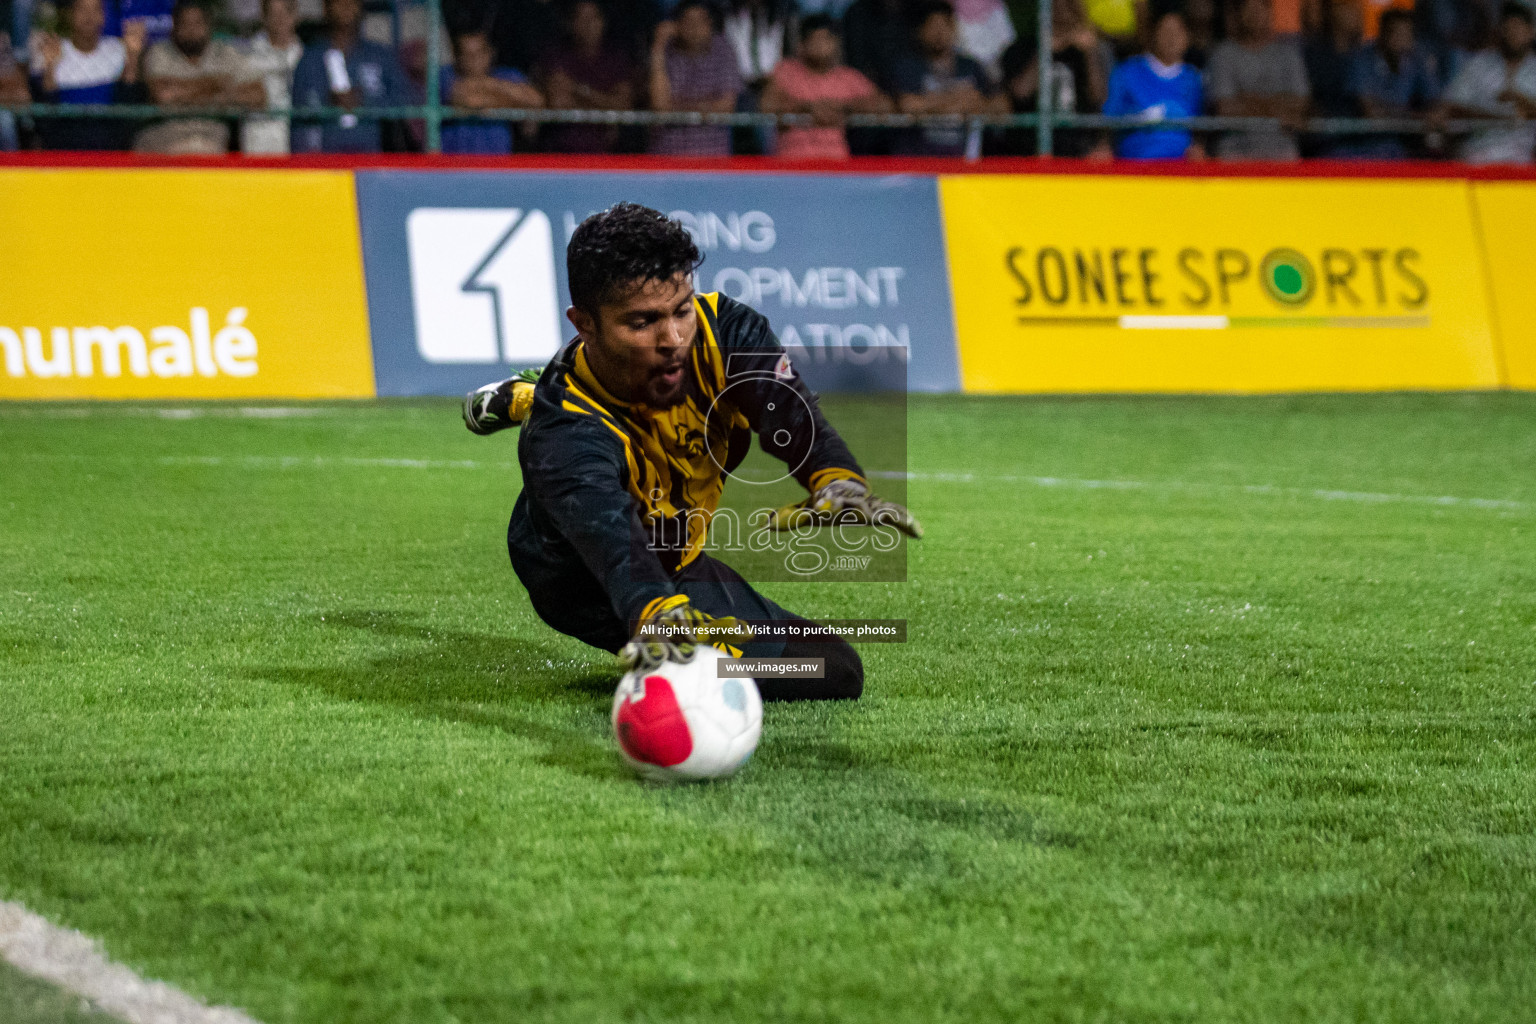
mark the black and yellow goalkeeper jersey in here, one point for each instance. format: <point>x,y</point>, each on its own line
<point>623,493</point>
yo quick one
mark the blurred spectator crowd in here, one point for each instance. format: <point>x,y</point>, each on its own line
<point>1430,62</point>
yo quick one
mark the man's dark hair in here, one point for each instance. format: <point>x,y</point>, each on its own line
<point>624,246</point>
<point>813,23</point>
<point>182,6</point>
<point>921,12</point>
<point>1516,9</point>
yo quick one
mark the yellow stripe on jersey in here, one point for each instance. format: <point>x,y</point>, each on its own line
<point>637,481</point>
<point>658,604</point>
<point>674,454</point>
<point>822,477</point>
<point>708,362</point>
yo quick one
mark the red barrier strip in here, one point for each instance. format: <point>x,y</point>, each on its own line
<point>772,165</point>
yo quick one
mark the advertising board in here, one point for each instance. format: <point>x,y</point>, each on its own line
<point>1150,284</point>
<point>181,284</point>
<point>467,282</point>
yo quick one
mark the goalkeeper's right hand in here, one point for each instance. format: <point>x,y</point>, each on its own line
<point>503,404</point>
<point>671,629</point>
<point>845,501</point>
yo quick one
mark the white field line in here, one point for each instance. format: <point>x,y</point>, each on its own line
<point>1322,494</point>
<point>75,963</point>
<point>324,461</point>
<point>1075,483</point>
<point>80,412</point>
<point>1318,493</point>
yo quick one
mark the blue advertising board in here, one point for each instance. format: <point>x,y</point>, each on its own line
<point>466,270</point>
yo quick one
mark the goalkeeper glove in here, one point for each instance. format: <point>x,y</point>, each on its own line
<point>845,501</point>
<point>671,629</point>
<point>501,405</point>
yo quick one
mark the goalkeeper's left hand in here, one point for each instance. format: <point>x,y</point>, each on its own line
<point>672,629</point>
<point>845,501</point>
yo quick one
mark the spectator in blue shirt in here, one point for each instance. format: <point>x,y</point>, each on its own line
<point>363,74</point>
<point>1394,78</point>
<point>476,83</point>
<point>1156,86</point>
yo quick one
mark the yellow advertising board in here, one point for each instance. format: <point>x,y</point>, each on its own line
<point>1507,212</point>
<point>181,284</point>
<point>1102,284</point>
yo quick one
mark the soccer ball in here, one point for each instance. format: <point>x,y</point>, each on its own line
<point>680,722</point>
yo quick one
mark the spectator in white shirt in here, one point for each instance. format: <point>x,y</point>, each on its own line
<point>192,69</point>
<point>1257,73</point>
<point>1499,83</point>
<point>272,55</point>
<point>984,31</point>
<point>758,31</point>
<point>87,68</point>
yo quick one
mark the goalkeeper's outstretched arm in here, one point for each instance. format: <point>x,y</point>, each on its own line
<point>789,423</point>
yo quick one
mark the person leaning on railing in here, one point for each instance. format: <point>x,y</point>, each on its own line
<point>1394,78</point>
<point>1499,83</point>
<point>1257,74</point>
<point>272,54</point>
<point>693,68</point>
<point>587,72</point>
<point>85,67</point>
<point>818,83</point>
<point>345,70</point>
<point>475,82</point>
<point>1156,86</point>
<point>941,80</point>
<point>192,69</point>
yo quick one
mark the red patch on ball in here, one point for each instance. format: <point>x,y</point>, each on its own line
<point>653,729</point>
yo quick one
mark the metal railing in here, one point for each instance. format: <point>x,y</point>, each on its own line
<point>1049,122</point>
<point>1045,121</point>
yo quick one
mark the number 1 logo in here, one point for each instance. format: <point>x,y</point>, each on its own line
<point>483,285</point>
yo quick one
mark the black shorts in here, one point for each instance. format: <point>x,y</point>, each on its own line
<point>572,602</point>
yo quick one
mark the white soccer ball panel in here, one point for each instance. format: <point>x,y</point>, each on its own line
<point>685,709</point>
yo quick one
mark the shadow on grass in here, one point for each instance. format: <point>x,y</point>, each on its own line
<point>845,811</point>
<point>834,808</point>
<point>533,691</point>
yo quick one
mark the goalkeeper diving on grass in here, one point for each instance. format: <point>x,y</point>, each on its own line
<point>627,439</point>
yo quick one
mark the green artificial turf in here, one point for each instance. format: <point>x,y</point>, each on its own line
<point>1211,711</point>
